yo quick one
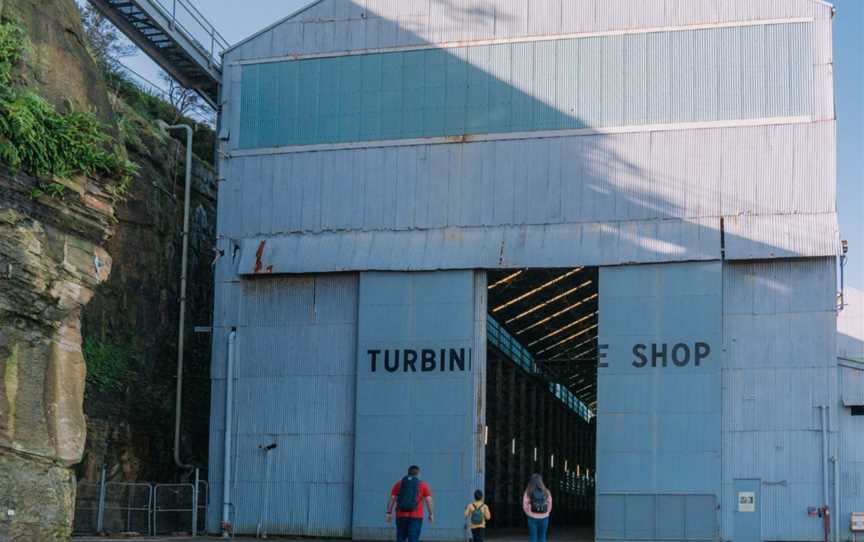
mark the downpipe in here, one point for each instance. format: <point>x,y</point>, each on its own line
<point>836,498</point>
<point>826,510</point>
<point>229,423</point>
<point>184,263</point>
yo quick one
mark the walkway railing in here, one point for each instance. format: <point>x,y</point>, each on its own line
<point>186,18</point>
<point>176,36</point>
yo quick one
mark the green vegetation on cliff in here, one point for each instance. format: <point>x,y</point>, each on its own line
<point>108,365</point>
<point>45,143</point>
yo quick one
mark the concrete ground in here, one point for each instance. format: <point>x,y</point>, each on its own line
<point>567,534</point>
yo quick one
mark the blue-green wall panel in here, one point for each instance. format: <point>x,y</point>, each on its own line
<point>662,77</point>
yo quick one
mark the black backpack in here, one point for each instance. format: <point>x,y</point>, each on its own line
<point>407,499</point>
<point>538,501</point>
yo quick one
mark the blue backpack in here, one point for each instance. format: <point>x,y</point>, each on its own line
<point>407,499</point>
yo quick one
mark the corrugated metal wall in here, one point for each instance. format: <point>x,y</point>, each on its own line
<point>646,195</point>
<point>779,367</point>
<point>764,170</point>
<point>342,25</point>
<point>851,447</point>
<point>850,339</point>
<point>294,386</point>
<point>658,418</point>
<point>598,82</point>
<point>561,199</point>
<point>850,326</point>
<point>603,200</point>
<point>414,414</point>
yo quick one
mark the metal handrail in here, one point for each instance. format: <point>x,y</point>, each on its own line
<point>512,348</point>
<point>217,43</point>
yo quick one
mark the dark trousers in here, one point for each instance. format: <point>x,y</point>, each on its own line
<point>537,528</point>
<point>478,535</point>
<point>408,529</point>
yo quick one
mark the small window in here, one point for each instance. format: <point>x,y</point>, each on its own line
<point>858,410</point>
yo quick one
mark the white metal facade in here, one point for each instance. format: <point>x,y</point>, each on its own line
<point>657,175</point>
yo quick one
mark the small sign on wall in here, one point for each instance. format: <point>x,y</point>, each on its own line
<point>857,521</point>
<point>746,501</point>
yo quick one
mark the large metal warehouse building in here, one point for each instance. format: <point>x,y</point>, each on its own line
<point>595,239</point>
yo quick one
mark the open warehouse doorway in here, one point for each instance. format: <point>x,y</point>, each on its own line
<point>541,392</point>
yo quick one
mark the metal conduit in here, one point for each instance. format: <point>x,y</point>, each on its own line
<point>229,423</point>
<point>184,264</point>
<point>824,411</point>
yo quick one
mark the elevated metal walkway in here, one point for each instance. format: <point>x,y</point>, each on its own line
<point>176,36</point>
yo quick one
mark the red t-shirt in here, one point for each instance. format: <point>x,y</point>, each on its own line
<point>423,491</point>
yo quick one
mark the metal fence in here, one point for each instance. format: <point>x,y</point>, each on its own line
<point>86,508</point>
<point>128,508</point>
<point>142,508</point>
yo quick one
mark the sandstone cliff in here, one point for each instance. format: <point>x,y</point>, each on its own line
<point>56,260</point>
<point>52,255</point>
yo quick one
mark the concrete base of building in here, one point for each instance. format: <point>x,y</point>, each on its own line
<point>560,534</point>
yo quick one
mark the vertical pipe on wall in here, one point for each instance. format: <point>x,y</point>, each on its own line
<point>184,264</point>
<point>824,411</point>
<point>836,511</point>
<point>229,422</point>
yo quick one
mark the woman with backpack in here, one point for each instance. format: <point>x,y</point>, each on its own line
<point>537,504</point>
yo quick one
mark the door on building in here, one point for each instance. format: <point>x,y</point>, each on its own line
<point>748,511</point>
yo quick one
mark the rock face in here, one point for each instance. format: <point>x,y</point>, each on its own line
<point>134,317</point>
<point>89,274</point>
<point>52,257</point>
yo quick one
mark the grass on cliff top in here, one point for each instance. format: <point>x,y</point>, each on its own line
<point>47,144</point>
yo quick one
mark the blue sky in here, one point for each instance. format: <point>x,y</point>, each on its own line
<point>236,24</point>
<point>849,93</point>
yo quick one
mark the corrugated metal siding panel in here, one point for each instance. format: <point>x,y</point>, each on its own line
<point>396,424</point>
<point>853,385</point>
<point>750,237</point>
<point>675,174</point>
<point>639,184</point>
<point>659,427</point>
<point>850,326</point>
<point>773,84</point>
<point>489,248</point>
<point>385,23</point>
<point>295,385</point>
<point>779,339</point>
<point>851,427</point>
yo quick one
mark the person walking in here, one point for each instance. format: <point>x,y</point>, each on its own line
<point>537,504</point>
<point>477,514</point>
<point>408,496</point>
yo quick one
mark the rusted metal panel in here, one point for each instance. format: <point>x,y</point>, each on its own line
<point>486,248</point>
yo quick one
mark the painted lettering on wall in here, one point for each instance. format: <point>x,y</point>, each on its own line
<point>670,355</point>
<point>425,360</point>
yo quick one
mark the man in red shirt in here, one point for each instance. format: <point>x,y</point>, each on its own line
<point>408,496</point>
